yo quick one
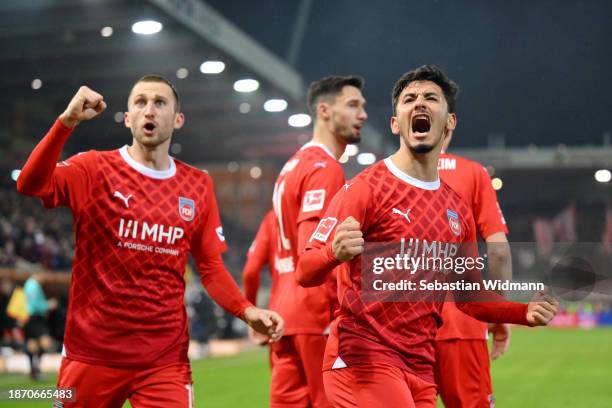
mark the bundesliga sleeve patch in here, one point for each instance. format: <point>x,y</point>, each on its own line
<point>219,231</point>
<point>313,200</point>
<point>324,229</point>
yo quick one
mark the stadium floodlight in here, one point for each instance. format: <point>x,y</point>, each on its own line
<point>36,84</point>
<point>603,176</point>
<point>15,174</point>
<point>182,73</point>
<point>244,108</point>
<point>246,85</point>
<point>299,120</point>
<point>275,105</point>
<point>147,27</point>
<point>255,172</point>
<point>366,158</point>
<point>351,150</point>
<point>106,31</point>
<point>212,67</point>
<point>497,183</point>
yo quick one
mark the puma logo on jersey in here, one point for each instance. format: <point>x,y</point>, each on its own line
<point>126,200</point>
<point>320,164</point>
<point>63,164</point>
<point>403,214</point>
<point>347,185</point>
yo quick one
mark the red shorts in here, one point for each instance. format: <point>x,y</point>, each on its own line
<point>297,366</point>
<point>462,374</point>
<point>102,386</point>
<point>377,386</point>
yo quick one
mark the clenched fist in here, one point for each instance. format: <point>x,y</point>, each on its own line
<point>266,322</point>
<point>542,309</point>
<point>85,104</point>
<point>348,240</point>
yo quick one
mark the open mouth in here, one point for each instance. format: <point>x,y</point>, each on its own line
<point>421,124</point>
<point>149,128</point>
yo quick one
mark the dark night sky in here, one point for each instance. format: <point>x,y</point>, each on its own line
<point>534,71</point>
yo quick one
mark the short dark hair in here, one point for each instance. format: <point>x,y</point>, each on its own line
<point>164,80</point>
<point>330,86</point>
<point>426,73</point>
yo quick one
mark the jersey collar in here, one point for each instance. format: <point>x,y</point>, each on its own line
<point>322,146</point>
<point>156,174</point>
<point>425,185</point>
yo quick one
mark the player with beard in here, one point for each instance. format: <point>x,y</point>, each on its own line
<point>302,192</point>
<point>138,212</point>
<point>381,353</point>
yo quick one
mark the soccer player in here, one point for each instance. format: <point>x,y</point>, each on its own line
<point>302,192</point>
<point>137,213</point>
<point>381,354</point>
<point>261,253</point>
<point>462,360</point>
<point>36,331</point>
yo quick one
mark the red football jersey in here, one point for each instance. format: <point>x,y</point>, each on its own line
<point>261,252</point>
<point>471,180</point>
<point>302,192</point>
<point>134,228</point>
<point>390,206</point>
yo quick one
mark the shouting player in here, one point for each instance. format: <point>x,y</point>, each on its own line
<point>462,359</point>
<point>137,214</point>
<point>302,192</point>
<point>381,354</point>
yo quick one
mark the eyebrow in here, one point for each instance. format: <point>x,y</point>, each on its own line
<point>156,96</point>
<point>426,94</point>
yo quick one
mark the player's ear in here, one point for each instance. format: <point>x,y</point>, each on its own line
<point>323,110</point>
<point>179,120</point>
<point>451,122</point>
<point>394,125</point>
<point>126,119</point>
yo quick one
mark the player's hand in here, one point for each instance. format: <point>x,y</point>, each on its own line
<point>501,339</point>
<point>258,338</point>
<point>85,104</point>
<point>542,308</point>
<point>348,240</point>
<point>265,322</point>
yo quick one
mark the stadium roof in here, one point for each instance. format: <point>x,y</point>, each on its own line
<point>530,73</point>
<point>61,44</point>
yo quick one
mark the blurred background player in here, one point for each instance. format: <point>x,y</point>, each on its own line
<point>462,360</point>
<point>261,253</point>
<point>381,353</point>
<point>36,331</point>
<point>138,212</point>
<point>302,192</point>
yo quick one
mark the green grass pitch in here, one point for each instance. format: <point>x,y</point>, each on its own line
<point>543,368</point>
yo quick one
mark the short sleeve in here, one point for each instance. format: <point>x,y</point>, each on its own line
<point>318,189</point>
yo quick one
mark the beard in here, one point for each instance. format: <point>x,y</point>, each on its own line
<point>421,148</point>
<point>352,138</point>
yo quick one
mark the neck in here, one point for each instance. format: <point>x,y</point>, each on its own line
<point>156,158</point>
<point>322,134</point>
<point>422,166</point>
